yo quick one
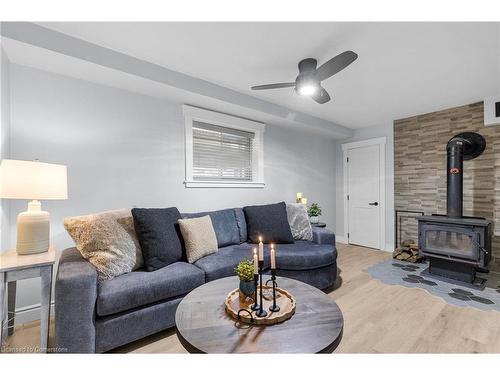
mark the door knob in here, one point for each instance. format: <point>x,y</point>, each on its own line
<point>373,204</point>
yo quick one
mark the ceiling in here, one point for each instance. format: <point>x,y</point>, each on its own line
<point>403,69</point>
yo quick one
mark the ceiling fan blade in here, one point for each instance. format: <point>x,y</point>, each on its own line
<point>335,65</point>
<point>321,96</point>
<point>274,86</point>
<point>307,65</point>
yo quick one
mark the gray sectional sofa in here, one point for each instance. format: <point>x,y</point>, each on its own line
<point>94,317</point>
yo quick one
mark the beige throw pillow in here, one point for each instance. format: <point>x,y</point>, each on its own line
<point>108,241</point>
<point>199,237</point>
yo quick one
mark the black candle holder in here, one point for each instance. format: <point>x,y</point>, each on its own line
<point>249,312</point>
<point>261,312</point>
<point>255,305</point>
<point>274,307</point>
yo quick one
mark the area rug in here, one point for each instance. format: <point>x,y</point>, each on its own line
<point>411,275</point>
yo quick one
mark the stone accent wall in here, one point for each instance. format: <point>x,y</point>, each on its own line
<point>420,166</point>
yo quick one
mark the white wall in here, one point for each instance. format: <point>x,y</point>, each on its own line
<point>4,143</point>
<point>360,135</point>
<point>124,149</point>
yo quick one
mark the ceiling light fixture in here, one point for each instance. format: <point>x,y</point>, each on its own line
<point>307,90</point>
<point>306,85</point>
<point>308,82</point>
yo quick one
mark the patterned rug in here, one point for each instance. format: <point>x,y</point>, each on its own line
<point>411,275</point>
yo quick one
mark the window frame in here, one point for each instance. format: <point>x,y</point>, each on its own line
<point>192,114</point>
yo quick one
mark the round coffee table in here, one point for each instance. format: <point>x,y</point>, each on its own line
<point>204,327</point>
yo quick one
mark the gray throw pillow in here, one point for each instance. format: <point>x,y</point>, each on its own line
<point>299,221</point>
<point>108,241</point>
<point>199,237</point>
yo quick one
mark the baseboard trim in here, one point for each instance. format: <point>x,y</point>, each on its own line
<point>30,313</point>
<point>341,239</point>
<point>389,247</point>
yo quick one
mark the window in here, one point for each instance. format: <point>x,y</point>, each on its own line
<point>221,153</point>
<point>222,150</point>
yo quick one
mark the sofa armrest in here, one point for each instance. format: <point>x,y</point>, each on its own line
<point>75,296</point>
<point>323,236</point>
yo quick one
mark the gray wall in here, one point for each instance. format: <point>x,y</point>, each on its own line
<point>360,135</point>
<point>123,149</point>
<point>4,143</point>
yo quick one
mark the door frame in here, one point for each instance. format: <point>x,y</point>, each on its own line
<point>380,141</point>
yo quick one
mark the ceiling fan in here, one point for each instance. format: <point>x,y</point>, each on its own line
<point>308,82</point>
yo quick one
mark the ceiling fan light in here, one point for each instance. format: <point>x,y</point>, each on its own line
<point>307,89</point>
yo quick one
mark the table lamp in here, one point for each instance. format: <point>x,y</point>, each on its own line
<point>35,181</point>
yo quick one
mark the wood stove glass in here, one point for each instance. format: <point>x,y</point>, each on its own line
<point>458,242</point>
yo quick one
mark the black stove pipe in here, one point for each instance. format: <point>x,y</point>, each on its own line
<point>455,178</point>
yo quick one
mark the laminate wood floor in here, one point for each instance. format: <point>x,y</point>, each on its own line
<point>378,318</point>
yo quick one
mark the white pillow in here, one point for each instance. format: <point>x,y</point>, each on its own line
<point>299,221</point>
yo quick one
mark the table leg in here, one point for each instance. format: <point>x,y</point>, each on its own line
<point>11,306</point>
<point>3,316</point>
<point>46,276</point>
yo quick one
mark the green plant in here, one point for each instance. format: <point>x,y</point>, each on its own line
<point>244,270</point>
<point>314,210</point>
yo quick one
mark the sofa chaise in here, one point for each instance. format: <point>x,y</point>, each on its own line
<point>94,317</point>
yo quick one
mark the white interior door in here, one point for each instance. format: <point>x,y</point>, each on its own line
<point>363,194</point>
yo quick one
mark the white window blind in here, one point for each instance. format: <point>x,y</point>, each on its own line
<point>221,153</point>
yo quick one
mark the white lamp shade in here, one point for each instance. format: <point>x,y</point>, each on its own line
<point>32,180</point>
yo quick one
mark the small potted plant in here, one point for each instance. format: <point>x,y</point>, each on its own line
<point>314,212</point>
<point>244,270</point>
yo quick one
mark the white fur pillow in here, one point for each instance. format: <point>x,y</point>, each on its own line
<point>108,241</point>
<point>299,221</point>
<point>199,237</point>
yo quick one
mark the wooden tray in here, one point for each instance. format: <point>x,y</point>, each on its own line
<point>284,300</point>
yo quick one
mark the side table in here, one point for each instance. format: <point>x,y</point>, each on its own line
<point>319,225</point>
<point>14,267</point>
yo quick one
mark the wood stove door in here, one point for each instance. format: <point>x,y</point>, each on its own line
<point>451,241</point>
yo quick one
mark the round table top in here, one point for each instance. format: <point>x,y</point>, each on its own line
<point>203,325</point>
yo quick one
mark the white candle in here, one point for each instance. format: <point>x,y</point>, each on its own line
<point>273,257</point>
<point>261,249</point>
<point>255,262</point>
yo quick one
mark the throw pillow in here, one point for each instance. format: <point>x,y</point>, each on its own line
<point>224,223</point>
<point>108,241</point>
<point>199,237</point>
<point>159,236</point>
<point>269,221</point>
<point>299,221</point>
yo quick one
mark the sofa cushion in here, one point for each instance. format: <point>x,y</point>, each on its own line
<point>140,288</point>
<point>242,224</point>
<point>225,225</point>
<point>304,255</point>
<point>199,237</point>
<point>222,263</point>
<point>269,221</point>
<point>159,236</point>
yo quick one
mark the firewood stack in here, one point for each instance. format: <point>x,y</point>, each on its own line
<point>408,252</point>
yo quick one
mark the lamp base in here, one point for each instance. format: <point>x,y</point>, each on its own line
<point>33,230</point>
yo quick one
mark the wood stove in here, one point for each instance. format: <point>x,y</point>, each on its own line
<point>456,245</point>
